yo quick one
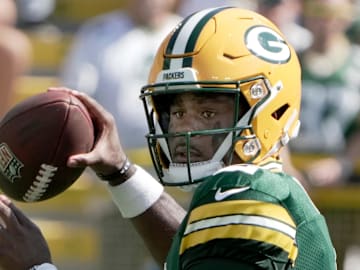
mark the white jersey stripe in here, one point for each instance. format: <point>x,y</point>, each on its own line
<point>241,220</point>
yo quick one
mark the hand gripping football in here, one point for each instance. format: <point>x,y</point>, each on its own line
<point>36,138</point>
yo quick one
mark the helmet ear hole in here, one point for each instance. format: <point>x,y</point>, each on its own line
<point>280,112</point>
<point>244,106</point>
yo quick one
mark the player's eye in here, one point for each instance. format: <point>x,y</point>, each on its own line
<point>177,114</point>
<point>208,114</point>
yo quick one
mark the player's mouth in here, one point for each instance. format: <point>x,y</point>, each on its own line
<point>180,154</point>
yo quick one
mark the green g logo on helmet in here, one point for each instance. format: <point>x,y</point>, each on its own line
<point>267,44</point>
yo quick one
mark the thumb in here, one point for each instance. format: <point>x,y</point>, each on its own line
<point>81,160</point>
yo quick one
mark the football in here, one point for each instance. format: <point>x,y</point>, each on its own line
<point>36,138</point>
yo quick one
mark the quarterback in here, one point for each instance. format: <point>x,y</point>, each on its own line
<point>223,98</point>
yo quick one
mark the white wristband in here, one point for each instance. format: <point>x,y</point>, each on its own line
<point>44,266</point>
<point>137,194</point>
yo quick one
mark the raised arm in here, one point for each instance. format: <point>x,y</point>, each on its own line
<point>139,197</point>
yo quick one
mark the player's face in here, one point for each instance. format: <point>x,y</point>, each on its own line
<point>191,112</point>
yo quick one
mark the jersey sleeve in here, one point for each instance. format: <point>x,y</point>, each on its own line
<point>316,247</point>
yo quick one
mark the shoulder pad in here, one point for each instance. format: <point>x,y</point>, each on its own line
<point>273,184</point>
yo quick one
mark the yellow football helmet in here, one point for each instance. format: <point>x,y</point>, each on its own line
<point>231,51</point>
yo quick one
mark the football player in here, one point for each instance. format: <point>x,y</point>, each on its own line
<point>223,99</point>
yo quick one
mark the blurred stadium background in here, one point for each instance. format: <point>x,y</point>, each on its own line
<point>82,226</point>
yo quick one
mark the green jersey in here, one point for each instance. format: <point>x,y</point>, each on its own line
<point>248,217</point>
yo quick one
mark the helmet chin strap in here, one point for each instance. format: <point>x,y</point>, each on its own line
<point>178,172</point>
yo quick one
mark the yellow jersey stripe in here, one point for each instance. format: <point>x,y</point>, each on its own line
<point>240,231</point>
<point>245,207</point>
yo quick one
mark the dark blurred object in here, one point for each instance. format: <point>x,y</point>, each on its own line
<point>34,11</point>
<point>353,32</point>
<point>270,3</point>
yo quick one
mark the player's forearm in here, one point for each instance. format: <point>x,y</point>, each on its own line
<point>158,225</point>
<point>154,213</point>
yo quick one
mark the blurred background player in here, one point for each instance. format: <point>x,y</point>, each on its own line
<point>331,93</point>
<point>111,56</point>
<point>330,136</point>
<point>15,53</point>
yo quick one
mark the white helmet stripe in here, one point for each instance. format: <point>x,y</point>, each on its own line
<point>182,43</point>
<point>184,35</point>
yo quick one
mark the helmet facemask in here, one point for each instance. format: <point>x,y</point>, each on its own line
<point>157,100</point>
